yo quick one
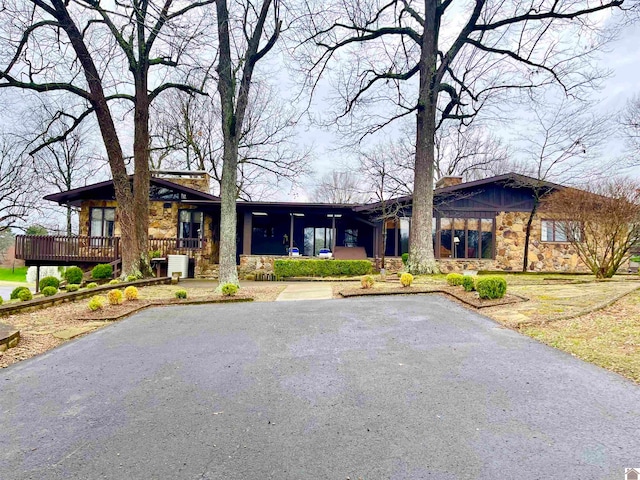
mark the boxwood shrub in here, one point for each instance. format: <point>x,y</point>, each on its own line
<point>102,270</point>
<point>49,291</point>
<point>25,294</point>
<point>49,282</point>
<point>455,279</point>
<point>73,275</point>
<point>468,283</point>
<point>491,287</point>
<point>73,287</point>
<point>321,268</point>
<point>16,292</point>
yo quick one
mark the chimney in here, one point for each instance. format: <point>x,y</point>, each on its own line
<point>195,179</point>
<point>448,181</point>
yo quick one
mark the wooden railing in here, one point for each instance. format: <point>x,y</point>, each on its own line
<point>95,249</point>
<point>67,249</point>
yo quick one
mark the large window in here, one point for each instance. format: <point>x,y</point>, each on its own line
<point>464,238</point>
<point>190,229</point>
<point>554,231</point>
<point>317,238</point>
<point>102,222</point>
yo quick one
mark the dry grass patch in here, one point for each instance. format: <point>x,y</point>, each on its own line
<point>609,338</point>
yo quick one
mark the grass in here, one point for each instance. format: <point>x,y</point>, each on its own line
<point>13,275</point>
<point>609,338</point>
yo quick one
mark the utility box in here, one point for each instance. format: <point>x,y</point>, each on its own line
<point>178,263</point>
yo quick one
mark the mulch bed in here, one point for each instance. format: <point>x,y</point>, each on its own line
<point>468,298</point>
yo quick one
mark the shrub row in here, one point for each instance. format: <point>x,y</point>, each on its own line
<point>321,268</point>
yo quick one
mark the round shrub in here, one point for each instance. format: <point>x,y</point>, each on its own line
<point>406,279</point>
<point>468,283</point>
<point>454,279</point>
<point>16,291</point>
<point>96,303</point>
<point>131,293</point>
<point>491,287</point>
<point>182,293</point>
<point>367,281</point>
<point>405,258</point>
<point>131,278</point>
<point>92,285</point>
<point>73,275</point>
<point>115,281</point>
<point>25,295</point>
<point>115,297</point>
<point>229,289</point>
<point>49,291</point>
<point>73,287</point>
<point>49,282</point>
<point>102,270</point>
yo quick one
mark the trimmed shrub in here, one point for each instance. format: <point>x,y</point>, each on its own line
<point>491,287</point>
<point>155,254</point>
<point>73,275</point>
<point>132,278</point>
<point>468,284</point>
<point>182,293</point>
<point>321,268</point>
<point>16,291</point>
<point>49,282</point>
<point>25,295</point>
<point>115,281</point>
<point>73,287</point>
<point>229,289</point>
<point>102,270</point>
<point>406,279</point>
<point>92,285</point>
<point>115,297</point>
<point>49,291</point>
<point>131,293</point>
<point>367,281</point>
<point>405,258</point>
<point>97,302</point>
<point>455,279</point>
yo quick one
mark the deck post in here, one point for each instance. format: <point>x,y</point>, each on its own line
<point>37,278</point>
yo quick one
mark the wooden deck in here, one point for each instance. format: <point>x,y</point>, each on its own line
<point>63,250</point>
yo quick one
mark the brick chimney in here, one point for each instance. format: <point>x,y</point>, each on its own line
<point>197,180</point>
<point>448,181</point>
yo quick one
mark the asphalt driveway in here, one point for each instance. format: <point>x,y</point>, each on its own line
<point>374,388</point>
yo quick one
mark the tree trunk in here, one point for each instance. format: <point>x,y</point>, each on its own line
<point>527,236</point>
<point>421,255</point>
<point>69,225</point>
<point>141,265</point>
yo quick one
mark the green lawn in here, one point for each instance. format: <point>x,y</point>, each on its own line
<point>13,275</point>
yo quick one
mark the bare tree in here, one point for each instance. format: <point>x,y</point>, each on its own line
<point>561,145</point>
<point>105,55</point>
<point>340,186</point>
<point>442,63</point>
<point>17,195</point>
<point>602,222</point>
<point>631,128</point>
<point>258,30</point>
<point>385,176</point>
<point>189,136</point>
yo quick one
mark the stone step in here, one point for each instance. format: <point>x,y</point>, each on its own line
<point>9,337</point>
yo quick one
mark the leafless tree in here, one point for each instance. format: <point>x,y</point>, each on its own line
<point>602,222</point>
<point>561,145</point>
<point>340,186</point>
<point>631,128</point>
<point>444,61</point>
<point>108,56</point>
<point>189,136</point>
<point>258,28</point>
<point>17,195</point>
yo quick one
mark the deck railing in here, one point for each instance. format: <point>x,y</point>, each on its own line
<point>65,249</point>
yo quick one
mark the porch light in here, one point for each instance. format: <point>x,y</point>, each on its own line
<point>259,214</point>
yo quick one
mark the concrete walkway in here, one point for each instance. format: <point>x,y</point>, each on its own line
<point>306,291</point>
